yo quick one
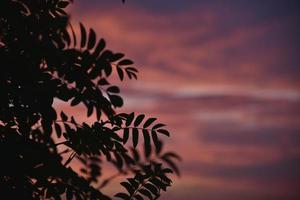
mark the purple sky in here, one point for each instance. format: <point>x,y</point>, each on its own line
<point>224,76</point>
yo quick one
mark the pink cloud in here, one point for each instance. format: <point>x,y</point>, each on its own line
<point>201,76</point>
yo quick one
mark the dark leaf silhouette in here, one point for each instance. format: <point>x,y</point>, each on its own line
<point>123,195</point>
<point>58,130</point>
<point>125,62</point>
<point>135,136</point>
<point>147,143</point>
<point>64,117</point>
<point>138,120</point>
<point>149,122</point>
<point>99,48</point>
<point>83,36</point>
<point>148,182</point>
<point>92,39</point>
<point>125,135</point>
<point>44,61</point>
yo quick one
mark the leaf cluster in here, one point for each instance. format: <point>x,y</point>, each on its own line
<point>146,183</point>
<point>43,61</point>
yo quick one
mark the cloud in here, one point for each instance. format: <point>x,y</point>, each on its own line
<point>254,137</point>
<point>201,46</point>
<point>224,78</point>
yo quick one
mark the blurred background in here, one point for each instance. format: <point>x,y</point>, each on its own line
<point>224,76</point>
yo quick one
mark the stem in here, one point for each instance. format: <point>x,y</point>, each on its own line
<point>71,157</point>
<point>108,121</point>
<point>141,186</point>
<point>65,151</point>
<point>148,129</point>
<point>60,143</point>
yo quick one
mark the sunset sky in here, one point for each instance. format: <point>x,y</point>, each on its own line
<point>224,76</point>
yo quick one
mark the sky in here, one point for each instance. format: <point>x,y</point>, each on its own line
<point>224,76</point>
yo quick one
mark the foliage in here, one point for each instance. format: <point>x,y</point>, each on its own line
<point>43,60</point>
